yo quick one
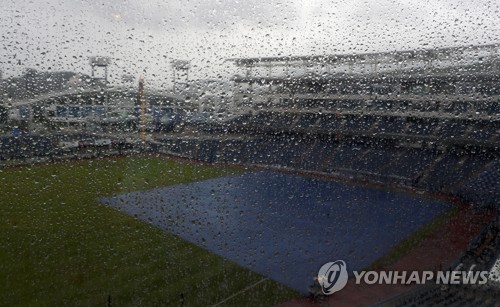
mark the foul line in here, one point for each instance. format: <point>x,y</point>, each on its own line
<point>239,292</point>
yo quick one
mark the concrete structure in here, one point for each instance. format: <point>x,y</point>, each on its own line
<point>462,81</point>
<point>93,106</point>
<point>100,62</point>
<point>180,75</point>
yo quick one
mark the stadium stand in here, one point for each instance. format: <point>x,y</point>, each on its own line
<point>481,255</point>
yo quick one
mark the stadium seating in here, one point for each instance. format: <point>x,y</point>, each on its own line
<point>422,126</point>
<point>462,172</point>
<point>484,131</point>
<point>307,121</point>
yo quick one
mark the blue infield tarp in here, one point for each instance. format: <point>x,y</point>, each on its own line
<point>283,226</point>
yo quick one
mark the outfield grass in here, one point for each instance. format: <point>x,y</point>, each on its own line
<point>58,245</point>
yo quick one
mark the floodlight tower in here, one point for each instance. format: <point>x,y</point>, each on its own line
<point>180,72</point>
<point>101,62</point>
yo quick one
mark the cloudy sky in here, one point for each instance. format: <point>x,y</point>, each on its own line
<point>143,36</point>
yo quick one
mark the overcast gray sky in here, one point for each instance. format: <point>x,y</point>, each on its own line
<point>143,36</point>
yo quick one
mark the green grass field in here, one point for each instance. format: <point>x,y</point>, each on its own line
<point>58,245</point>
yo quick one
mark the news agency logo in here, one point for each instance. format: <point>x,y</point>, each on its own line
<point>332,277</point>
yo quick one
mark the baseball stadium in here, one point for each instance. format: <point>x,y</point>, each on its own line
<point>387,161</point>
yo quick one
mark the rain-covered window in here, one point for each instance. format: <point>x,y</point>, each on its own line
<point>227,153</point>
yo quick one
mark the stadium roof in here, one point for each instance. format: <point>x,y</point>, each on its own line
<point>404,54</point>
